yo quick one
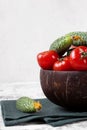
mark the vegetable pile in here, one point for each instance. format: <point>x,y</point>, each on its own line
<point>67,53</point>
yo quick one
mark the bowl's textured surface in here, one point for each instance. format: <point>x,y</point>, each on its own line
<point>65,88</point>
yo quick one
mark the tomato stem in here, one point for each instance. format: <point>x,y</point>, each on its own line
<point>83,54</point>
<point>61,59</point>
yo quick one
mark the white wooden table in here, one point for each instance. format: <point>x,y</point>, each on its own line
<point>33,90</point>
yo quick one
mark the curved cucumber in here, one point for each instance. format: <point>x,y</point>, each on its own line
<point>61,44</point>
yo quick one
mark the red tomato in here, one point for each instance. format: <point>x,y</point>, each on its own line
<point>62,64</point>
<point>46,59</point>
<point>78,58</point>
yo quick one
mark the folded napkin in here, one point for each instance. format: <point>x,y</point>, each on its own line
<point>50,113</point>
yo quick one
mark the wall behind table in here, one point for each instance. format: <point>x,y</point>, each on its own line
<point>28,27</point>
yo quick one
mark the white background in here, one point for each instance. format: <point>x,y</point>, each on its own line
<point>28,27</point>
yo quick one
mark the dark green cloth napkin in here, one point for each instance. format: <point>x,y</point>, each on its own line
<point>50,113</point>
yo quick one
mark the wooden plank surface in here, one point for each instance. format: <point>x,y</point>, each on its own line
<point>33,90</point>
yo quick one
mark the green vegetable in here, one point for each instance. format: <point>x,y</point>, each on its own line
<point>26,104</point>
<point>79,38</point>
<point>61,44</point>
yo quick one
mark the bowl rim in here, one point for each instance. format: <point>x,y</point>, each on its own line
<point>69,71</point>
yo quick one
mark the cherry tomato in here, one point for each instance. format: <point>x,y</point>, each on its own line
<point>78,58</point>
<point>62,64</point>
<point>46,59</point>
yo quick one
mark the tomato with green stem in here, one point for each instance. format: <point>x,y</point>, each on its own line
<point>78,58</point>
<point>62,64</point>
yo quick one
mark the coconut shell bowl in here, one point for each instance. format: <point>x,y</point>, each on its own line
<point>65,88</point>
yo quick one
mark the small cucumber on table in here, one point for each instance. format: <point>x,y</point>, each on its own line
<point>26,104</point>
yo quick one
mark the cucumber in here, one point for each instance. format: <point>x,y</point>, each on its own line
<point>81,39</point>
<point>61,44</point>
<point>26,104</point>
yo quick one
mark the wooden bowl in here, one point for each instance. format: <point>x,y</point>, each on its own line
<point>65,88</point>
